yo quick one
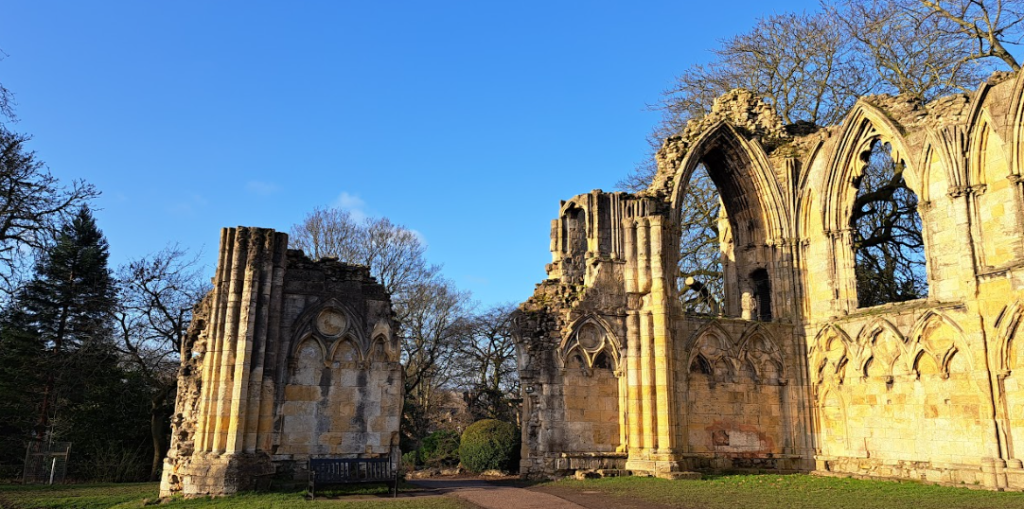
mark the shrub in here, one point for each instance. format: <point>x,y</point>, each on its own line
<point>410,460</point>
<point>440,449</point>
<point>490,445</point>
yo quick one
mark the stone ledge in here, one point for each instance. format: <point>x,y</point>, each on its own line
<point>679,476</point>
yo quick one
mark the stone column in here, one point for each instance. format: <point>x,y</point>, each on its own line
<point>206,424</point>
<point>228,340</point>
<point>661,337</point>
<point>643,246</point>
<point>647,381</point>
<point>634,408</point>
<point>251,388</point>
<point>265,428</point>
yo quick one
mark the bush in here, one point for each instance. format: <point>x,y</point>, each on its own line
<point>410,460</point>
<point>440,449</point>
<point>490,445</point>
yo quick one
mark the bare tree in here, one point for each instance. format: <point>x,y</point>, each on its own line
<point>6,99</point>
<point>434,324</point>
<point>802,63</point>
<point>33,205</point>
<point>909,52</point>
<point>394,253</point>
<point>328,232</point>
<point>486,361</point>
<point>156,297</point>
<point>989,25</point>
<point>396,256</point>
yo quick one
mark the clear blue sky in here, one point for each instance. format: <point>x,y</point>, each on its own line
<point>466,121</point>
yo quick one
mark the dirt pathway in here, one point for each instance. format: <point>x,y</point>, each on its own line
<point>493,496</point>
<point>594,499</point>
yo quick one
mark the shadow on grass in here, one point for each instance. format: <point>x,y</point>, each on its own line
<point>792,491</point>
<point>126,496</point>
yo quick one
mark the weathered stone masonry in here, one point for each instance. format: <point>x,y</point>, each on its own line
<point>286,359</point>
<point>616,375</point>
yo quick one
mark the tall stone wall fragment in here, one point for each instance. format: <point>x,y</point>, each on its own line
<point>286,359</point>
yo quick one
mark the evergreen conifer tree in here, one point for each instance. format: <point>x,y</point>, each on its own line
<point>68,305</point>
<point>61,377</point>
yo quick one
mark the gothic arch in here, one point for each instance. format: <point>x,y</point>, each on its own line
<point>880,341</point>
<point>876,326</point>
<point>587,347</point>
<point>1016,119</point>
<point>1007,325</point>
<point>712,327</point>
<point>861,127</point>
<point>383,331</point>
<point>808,197</point>
<point>920,340</point>
<point>949,145</point>
<point>353,326</point>
<point>337,345</point>
<point>758,347</point>
<point>832,419</point>
<point>311,340</point>
<point>382,354</point>
<point>745,180</point>
<point>573,210</point>
<point>823,334</point>
<point>983,133</point>
<point>1016,116</point>
<point>830,354</point>
<point>713,346</point>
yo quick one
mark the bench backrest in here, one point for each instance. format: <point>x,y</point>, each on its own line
<point>351,469</point>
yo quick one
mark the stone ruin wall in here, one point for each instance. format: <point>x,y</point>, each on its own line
<point>616,376</point>
<point>286,359</point>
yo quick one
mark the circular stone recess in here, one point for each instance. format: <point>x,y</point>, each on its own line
<point>331,323</point>
<point>590,336</point>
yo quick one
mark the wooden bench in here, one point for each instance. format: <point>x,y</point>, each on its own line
<point>330,471</point>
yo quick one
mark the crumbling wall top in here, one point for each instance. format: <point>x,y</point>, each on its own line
<point>743,110</point>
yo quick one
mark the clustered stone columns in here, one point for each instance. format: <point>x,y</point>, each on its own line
<point>237,404</point>
<point>649,371</point>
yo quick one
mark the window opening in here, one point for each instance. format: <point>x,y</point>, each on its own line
<point>762,295</point>
<point>701,278</point>
<point>887,241</point>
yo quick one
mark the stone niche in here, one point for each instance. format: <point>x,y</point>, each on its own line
<point>287,359</point>
<point>791,374</point>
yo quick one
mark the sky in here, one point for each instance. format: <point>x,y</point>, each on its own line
<point>465,121</point>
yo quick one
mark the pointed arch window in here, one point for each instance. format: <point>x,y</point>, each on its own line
<point>887,240</point>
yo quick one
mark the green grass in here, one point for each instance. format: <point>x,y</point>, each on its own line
<point>796,492</point>
<point>126,496</point>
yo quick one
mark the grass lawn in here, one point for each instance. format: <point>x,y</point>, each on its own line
<point>792,492</point>
<point>125,496</point>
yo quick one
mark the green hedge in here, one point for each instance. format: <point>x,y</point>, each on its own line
<point>490,444</point>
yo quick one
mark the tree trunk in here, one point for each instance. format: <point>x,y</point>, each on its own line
<point>158,433</point>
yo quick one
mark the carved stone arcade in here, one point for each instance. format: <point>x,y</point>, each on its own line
<point>793,376</point>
